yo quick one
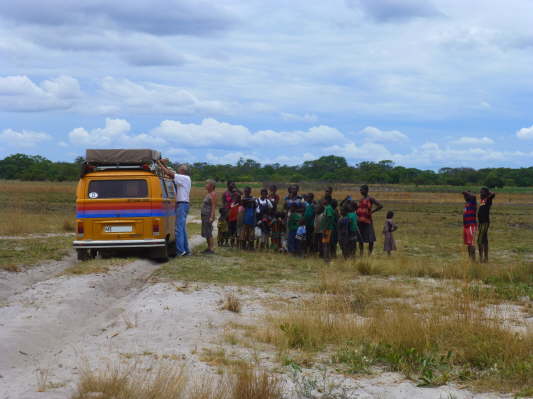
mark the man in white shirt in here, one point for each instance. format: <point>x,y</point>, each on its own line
<point>183,189</point>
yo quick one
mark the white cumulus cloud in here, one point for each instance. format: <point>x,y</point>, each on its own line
<point>526,133</point>
<point>372,133</point>
<point>212,133</point>
<point>22,139</point>
<point>114,133</point>
<point>150,97</point>
<point>365,151</point>
<point>21,94</point>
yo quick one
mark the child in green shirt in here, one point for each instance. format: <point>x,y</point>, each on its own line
<point>327,226</point>
<point>292,227</point>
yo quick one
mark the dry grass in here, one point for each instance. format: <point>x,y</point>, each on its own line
<point>36,207</point>
<point>434,340</point>
<point>232,303</point>
<point>170,381</point>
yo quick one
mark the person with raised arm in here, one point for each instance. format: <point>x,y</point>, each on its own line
<point>469,223</point>
<point>483,217</point>
<point>183,186</point>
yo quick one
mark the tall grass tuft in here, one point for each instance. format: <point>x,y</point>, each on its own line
<point>170,381</point>
<point>232,303</point>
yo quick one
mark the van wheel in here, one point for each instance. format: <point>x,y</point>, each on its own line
<point>172,250</point>
<point>83,254</point>
<point>160,254</point>
<point>106,254</point>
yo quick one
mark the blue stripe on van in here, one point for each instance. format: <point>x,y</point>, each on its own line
<point>119,214</point>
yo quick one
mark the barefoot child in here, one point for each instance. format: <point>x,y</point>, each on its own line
<point>346,237</point>
<point>469,223</point>
<point>318,229</point>
<point>233,215</point>
<point>483,216</point>
<point>222,227</point>
<point>388,228</point>
<point>273,196</point>
<point>292,227</point>
<point>327,226</point>
<point>249,219</point>
<point>301,236</point>
<point>277,231</point>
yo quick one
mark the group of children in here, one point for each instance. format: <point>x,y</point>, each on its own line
<point>303,226</point>
<point>300,225</point>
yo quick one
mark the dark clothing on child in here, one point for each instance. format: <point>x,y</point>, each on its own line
<point>300,244</point>
<point>346,236</point>
<point>388,238</point>
<point>309,216</point>
<point>483,213</point>
<point>292,227</point>
<point>276,233</point>
<point>366,230</point>
<point>483,217</point>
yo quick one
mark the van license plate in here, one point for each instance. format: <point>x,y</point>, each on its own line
<point>118,229</point>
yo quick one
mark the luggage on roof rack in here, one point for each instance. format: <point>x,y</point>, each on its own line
<point>121,157</point>
<point>98,160</point>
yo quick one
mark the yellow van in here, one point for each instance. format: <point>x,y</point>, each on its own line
<point>124,205</point>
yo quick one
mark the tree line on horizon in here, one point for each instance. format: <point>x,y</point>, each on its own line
<point>328,168</point>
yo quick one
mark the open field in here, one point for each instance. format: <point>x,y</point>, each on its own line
<point>425,322</point>
<point>46,207</point>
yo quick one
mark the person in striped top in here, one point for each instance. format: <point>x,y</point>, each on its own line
<point>470,223</point>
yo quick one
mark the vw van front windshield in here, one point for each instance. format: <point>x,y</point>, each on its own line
<point>117,189</point>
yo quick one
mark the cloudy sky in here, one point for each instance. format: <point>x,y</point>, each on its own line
<point>425,83</point>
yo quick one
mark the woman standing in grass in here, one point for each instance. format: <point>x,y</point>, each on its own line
<point>207,212</point>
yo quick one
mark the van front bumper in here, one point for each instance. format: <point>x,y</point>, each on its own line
<point>119,243</point>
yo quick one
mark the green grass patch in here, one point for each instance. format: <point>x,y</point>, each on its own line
<point>17,254</point>
<point>231,266</point>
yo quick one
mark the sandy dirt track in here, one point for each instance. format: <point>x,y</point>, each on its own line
<point>50,326</point>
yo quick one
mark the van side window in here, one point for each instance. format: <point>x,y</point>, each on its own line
<point>163,189</point>
<point>170,189</point>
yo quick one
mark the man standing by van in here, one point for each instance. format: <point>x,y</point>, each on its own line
<point>183,185</point>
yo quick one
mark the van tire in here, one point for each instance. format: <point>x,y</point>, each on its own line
<point>160,254</point>
<point>83,255</point>
<point>172,249</point>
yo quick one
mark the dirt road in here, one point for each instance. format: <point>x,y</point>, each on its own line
<point>49,323</point>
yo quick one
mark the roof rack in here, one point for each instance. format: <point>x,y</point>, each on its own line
<point>120,159</point>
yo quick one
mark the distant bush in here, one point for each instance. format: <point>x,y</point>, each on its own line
<point>329,168</point>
